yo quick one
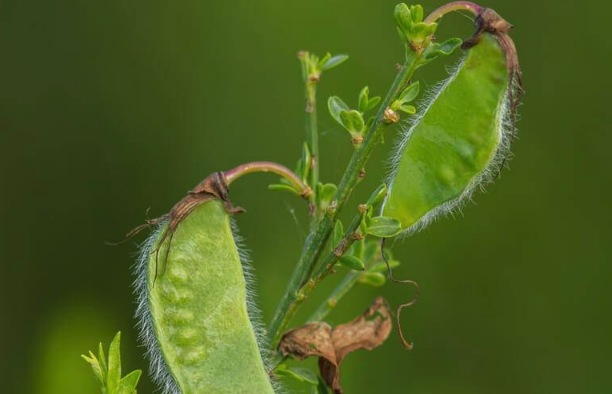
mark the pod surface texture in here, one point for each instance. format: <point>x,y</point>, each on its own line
<point>198,309</point>
<point>451,146</point>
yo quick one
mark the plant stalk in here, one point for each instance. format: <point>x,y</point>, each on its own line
<point>316,241</point>
<point>451,7</point>
<point>339,292</point>
<point>312,140</point>
<point>267,166</point>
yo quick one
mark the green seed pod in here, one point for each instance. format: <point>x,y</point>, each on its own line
<point>197,317</point>
<point>463,135</point>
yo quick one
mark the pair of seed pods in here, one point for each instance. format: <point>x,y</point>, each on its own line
<point>195,312</point>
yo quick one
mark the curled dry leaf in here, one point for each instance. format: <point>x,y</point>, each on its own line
<point>367,331</point>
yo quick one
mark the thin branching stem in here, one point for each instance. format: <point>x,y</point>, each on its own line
<point>312,139</point>
<point>317,240</point>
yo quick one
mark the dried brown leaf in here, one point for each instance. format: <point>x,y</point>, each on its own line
<point>312,339</point>
<point>367,331</point>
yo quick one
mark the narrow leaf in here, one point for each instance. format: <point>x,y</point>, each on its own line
<point>114,365</point>
<point>299,167</point>
<point>357,248</point>
<point>363,99</point>
<point>95,365</point>
<point>338,234</point>
<point>324,59</point>
<point>306,158</point>
<point>352,262</point>
<point>407,109</point>
<point>369,123</point>
<point>326,193</point>
<point>402,17</point>
<point>334,62</point>
<point>416,12</point>
<point>299,374</point>
<point>446,48</point>
<point>410,93</point>
<point>384,227</point>
<point>336,105</point>
<point>378,195</point>
<point>375,279</point>
<point>102,358</point>
<point>372,103</point>
<point>129,382</point>
<point>352,121</point>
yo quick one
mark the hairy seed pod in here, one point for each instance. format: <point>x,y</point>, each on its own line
<point>461,139</point>
<point>195,313</point>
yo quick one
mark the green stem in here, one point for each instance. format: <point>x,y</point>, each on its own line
<point>312,139</point>
<point>316,241</point>
<point>339,292</point>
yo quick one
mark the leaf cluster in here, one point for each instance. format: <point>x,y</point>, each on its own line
<point>109,373</point>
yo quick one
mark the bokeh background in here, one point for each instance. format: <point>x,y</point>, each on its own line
<point>110,107</point>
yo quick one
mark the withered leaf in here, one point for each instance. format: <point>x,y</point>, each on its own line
<point>367,331</point>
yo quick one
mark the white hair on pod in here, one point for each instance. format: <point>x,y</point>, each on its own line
<point>505,128</point>
<point>159,371</point>
<point>253,307</point>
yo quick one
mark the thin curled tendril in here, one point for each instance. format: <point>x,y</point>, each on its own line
<point>413,300</point>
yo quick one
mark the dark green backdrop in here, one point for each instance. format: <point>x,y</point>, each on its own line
<point>109,107</point>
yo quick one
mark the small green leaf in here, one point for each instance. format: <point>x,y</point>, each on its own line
<point>407,109</point>
<point>382,267</point>
<point>336,105</point>
<point>410,93</point>
<point>372,103</point>
<point>338,234</point>
<point>95,365</point>
<point>297,373</point>
<point>326,193</point>
<point>286,188</point>
<point>102,358</point>
<point>352,121</point>
<point>369,123</point>
<point>306,158</point>
<point>363,225</point>
<point>403,17</point>
<point>416,12</point>
<point>114,365</point>
<point>299,167</point>
<point>352,262</point>
<point>384,227</point>
<point>363,99</point>
<point>378,195</point>
<point>435,50</point>
<point>357,249</point>
<point>421,31</point>
<point>324,60</point>
<point>129,382</point>
<point>334,62</point>
<point>375,279</point>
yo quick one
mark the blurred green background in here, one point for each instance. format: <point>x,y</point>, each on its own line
<point>110,107</point>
